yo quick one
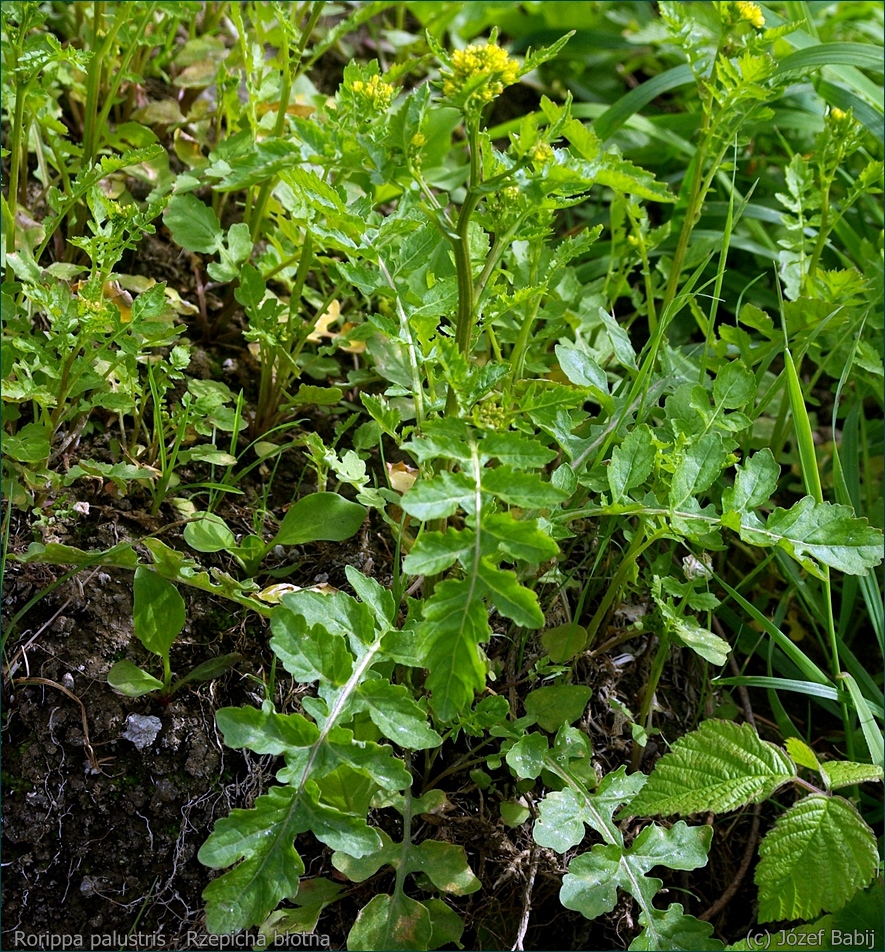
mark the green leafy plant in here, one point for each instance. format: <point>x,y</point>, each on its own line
<point>318,517</point>
<point>158,615</point>
<point>600,375</point>
<point>723,766</point>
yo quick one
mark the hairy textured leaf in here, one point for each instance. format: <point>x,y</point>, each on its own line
<point>819,854</point>
<point>718,767</point>
<point>840,773</point>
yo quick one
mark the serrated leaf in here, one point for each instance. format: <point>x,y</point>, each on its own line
<point>396,714</point>
<point>631,462</point>
<point>673,929</point>
<point>265,732</point>
<point>29,445</point>
<point>433,552</point>
<point>339,613</point>
<point>734,386</point>
<point>819,854</point>
<point>325,517</point>
<point>310,654</point>
<point>699,465</point>
<point>194,225</point>
<point>264,838</point>
<point>373,594</point>
<point>526,490</point>
<point>802,753</point>
<point>840,773</point>
<point>157,611</point>
<point>512,599</point>
<point>557,704</point>
<point>718,767</point>
<point>519,538</point>
<point>439,497</point>
<point>454,624</point>
<point>754,483</point>
<point>826,532</point>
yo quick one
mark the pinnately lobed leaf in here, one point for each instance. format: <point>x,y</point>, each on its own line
<point>718,767</point>
<point>819,854</point>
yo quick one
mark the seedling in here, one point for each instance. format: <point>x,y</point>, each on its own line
<point>325,517</point>
<point>158,616</point>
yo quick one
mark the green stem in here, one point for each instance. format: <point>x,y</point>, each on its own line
<point>288,76</point>
<point>463,264</point>
<point>637,547</point>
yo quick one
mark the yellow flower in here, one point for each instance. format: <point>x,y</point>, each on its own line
<point>375,93</point>
<point>487,63</point>
<point>751,13</point>
<point>542,153</point>
<point>837,113</point>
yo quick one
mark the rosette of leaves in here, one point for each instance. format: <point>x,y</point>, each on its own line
<point>338,753</point>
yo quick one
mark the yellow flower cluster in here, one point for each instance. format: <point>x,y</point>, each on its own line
<point>376,91</point>
<point>542,153</point>
<point>751,13</point>
<point>487,61</point>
